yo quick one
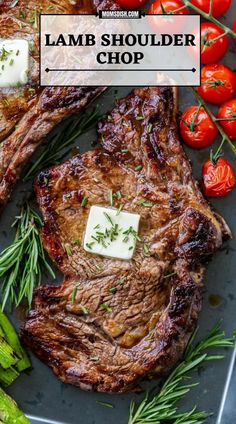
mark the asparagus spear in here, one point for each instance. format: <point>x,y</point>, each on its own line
<point>9,411</point>
<point>8,376</point>
<point>12,339</point>
<point>7,354</point>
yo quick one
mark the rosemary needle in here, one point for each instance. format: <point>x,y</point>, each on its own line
<point>58,145</point>
<point>162,407</point>
<point>22,263</point>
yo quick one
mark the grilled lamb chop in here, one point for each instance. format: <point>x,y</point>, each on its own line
<point>155,299</point>
<point>28,114</point>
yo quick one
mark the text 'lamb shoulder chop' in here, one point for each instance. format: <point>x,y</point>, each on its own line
<point>152,301</point>
<point>29,113</point>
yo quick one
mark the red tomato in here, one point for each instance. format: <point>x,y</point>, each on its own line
<point>168,6</point>
<point>219,7</point>
<point>228,111</point>
<point>218,83</point>
<point>131,4</point>
<point>219,179</point>
<point>234,27</point>
<point>197,128</point>
<point>212,51</point>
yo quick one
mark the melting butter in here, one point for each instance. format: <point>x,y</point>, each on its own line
<point>111,233</point>
<point>14,62</point>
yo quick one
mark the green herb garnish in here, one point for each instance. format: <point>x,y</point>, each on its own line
<point>108,405</point>
<point>94,358</point>
<point>58,145</point>
<point>120,209</point>
<point>118,195</point>
<point>90,245</point>
<point>31,90</point>
<point>34,19</point>
<point>146,203</point>
<point>4,54</point>
<point>22,263</point>
<point>22,14</point>
<point>74,294</point>
<point>51,7</point>
<point>68,250</point>
<point>99,267</point>
<point>162,405</point>
<point>150,335</point>
<point>169,275</point>
<point>106,307</point>
<point>113,290</point>
<point>130,232</point>
<point>108,218</point>
<point>146,251</point>
<point>77,243</point>
<point>84,201</point>
<point>110,197</point>
<point>139,168</point>
<point>14,3</point>
<point>84,309</point>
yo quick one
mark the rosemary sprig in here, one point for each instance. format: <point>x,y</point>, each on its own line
<point>22,263</point>
<point>161,407</point>
<point>54,147</point>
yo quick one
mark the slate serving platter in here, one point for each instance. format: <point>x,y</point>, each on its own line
<point>45,400</point>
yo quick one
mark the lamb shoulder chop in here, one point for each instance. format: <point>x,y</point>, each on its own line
<point>28,114</point>
<point>112,322</point>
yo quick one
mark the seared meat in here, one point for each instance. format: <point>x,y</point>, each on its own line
<point>112,321</point>
<point>27,114</point>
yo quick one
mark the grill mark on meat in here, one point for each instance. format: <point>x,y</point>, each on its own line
<point>151,316</point>
<point>27,116</point>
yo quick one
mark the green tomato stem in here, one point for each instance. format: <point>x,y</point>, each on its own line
<point>211,18</point>
<point>214,119</point>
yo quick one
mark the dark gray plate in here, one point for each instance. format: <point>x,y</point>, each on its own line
<point>45,400</point>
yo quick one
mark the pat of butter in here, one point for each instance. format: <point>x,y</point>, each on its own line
<point>14,62</point>
<point>111,233</point>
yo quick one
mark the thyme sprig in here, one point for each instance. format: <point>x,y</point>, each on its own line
<point>58,146</point>
<point>22,263</point>
<point>162,407</point>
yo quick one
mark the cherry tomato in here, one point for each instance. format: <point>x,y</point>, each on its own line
<point>219,7</point>
<point>228,110</point>
<point>234,27</point>
<point>131,4</point>
<point>197,128</point>
<point>212,51</point>
<point>168,6</point>
<point>218,83</point>
<point>218,179</point>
